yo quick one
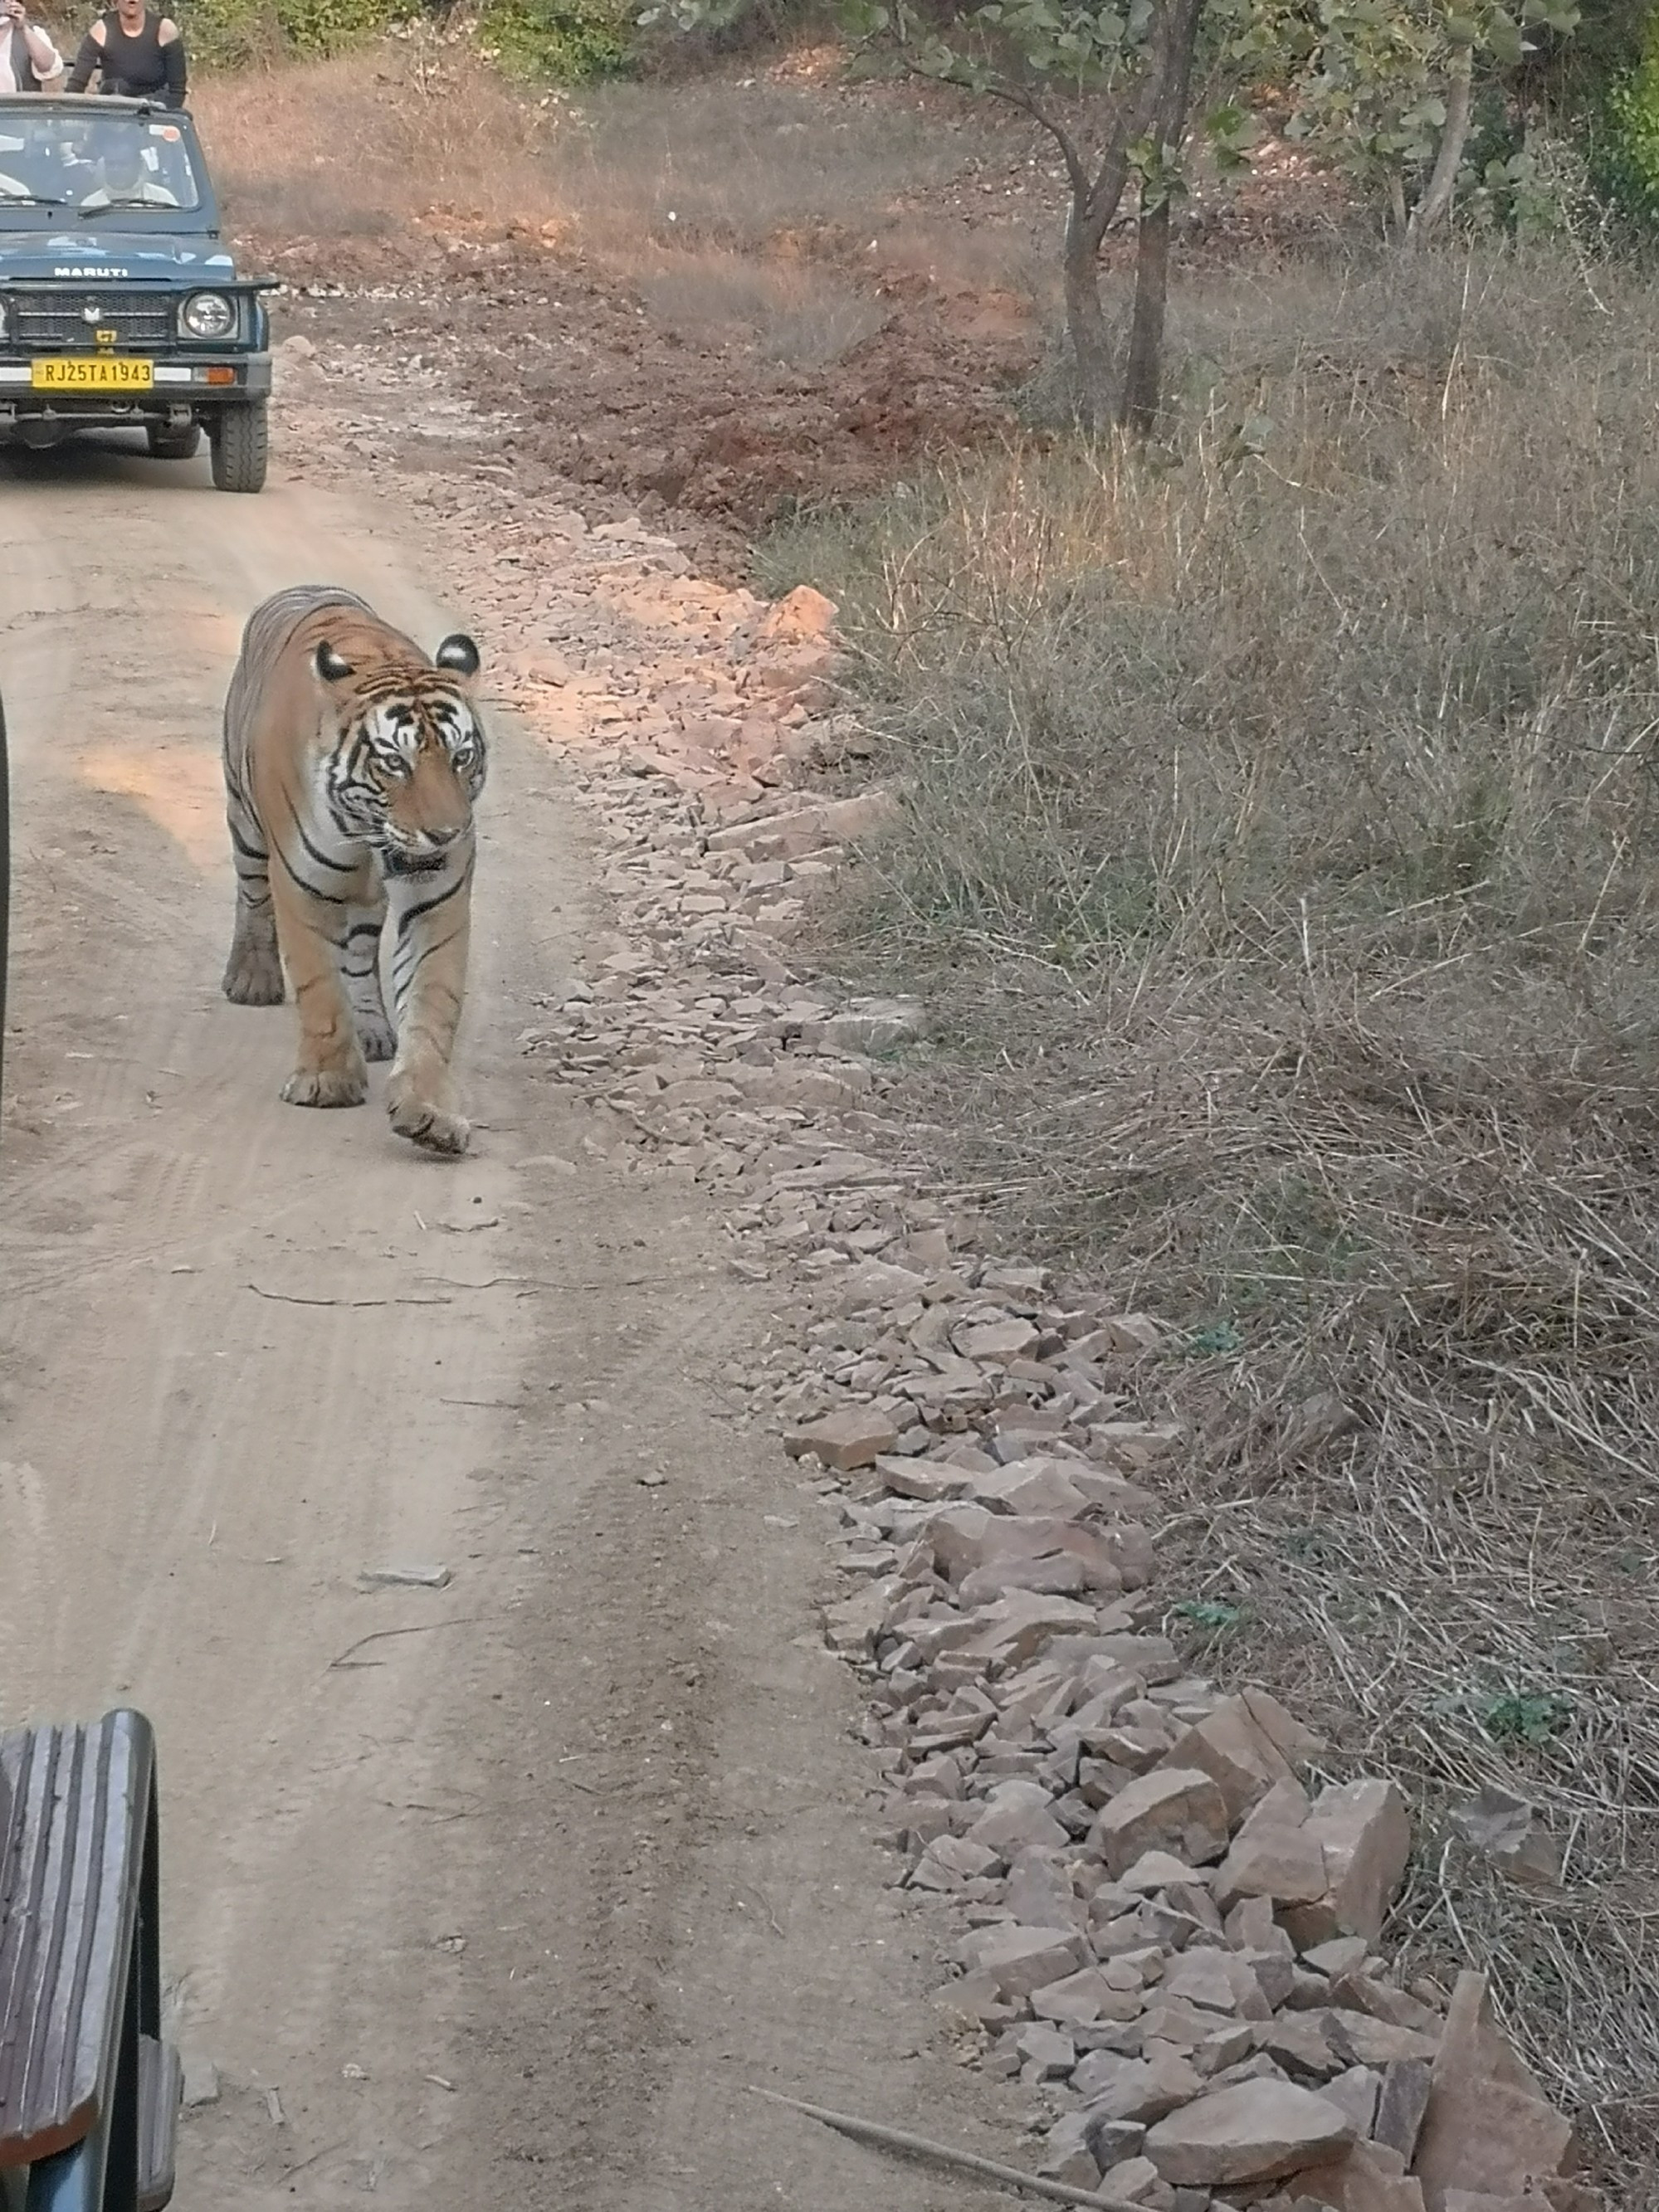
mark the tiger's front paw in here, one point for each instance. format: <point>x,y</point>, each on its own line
<point>417,1098</point>
<point>430,1127</point>
<point>327,1086</point>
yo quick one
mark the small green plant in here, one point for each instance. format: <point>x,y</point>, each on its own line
<point>1216,1341</point>
<point>1524,1717</point>
<point>1209,1613</point>
<point>1304,1544</point>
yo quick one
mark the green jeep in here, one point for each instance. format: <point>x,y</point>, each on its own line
<point>119,304</point>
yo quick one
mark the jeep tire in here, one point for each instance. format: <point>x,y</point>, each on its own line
<point>241,443</point>
<point>167,445</point>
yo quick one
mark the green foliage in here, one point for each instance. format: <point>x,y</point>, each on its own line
<point>1216,1339</point>
<point>1624,152</point>
<point>568,40</point>
<point>1366,81</point>
<point>1368,78</point>
<point>564,39</point>
<point>237,33</point>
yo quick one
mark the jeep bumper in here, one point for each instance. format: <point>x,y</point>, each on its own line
<point>180,391</point>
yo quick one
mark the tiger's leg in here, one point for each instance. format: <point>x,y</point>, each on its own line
<point>254,973</point>
<point>431,923</point>
<point>311,930</point>
<point>360,964</point>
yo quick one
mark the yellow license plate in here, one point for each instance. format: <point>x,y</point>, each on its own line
<point>91,372</point>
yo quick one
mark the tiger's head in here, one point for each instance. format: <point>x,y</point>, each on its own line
<point>409,758</point>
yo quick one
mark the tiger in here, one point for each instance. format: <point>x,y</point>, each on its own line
<point>352,763</point>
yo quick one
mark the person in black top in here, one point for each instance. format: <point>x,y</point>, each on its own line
<point>136,53</point>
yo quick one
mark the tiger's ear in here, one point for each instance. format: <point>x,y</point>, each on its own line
<point>329,664</point>
<point>459,655</point>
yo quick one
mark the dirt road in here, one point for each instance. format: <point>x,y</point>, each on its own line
<point>502,1890</point>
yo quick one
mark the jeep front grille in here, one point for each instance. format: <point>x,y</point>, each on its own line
<point>60,321</point>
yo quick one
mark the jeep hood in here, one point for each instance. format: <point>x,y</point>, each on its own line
<point>92,252</point>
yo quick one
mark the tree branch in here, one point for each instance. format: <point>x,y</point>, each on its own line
<point>900,2139</point>
<point>1134,119</point>
<point>1449,157</point>
<point>1014,96</point>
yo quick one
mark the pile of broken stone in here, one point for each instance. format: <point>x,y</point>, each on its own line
<point>1166,1935</point>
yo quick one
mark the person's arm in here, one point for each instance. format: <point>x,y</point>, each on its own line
<point>45,57</point>
<point>91,57</point>
<point>172,60</point>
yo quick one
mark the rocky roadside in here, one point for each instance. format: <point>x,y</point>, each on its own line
<point>1168,1914</point>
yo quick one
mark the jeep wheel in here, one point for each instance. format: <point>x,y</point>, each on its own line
<point>174,445</point>
<point>240,443</point>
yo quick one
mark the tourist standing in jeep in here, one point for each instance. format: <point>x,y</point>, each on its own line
<point>137,54</point>
<point>28,59</point>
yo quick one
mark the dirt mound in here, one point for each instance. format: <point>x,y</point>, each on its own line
<point>603,394</point>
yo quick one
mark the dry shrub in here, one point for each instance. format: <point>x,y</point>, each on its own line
<point>801,316</point>
<point>1014,253</point>
<point>1282,849</point>
<point>374,142</point>
<point>728,205</point>
<point>736,165</point>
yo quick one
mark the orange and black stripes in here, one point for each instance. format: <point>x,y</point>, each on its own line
<point>352,762</point>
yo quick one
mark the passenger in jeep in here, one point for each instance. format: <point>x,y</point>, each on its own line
<point>136,53</point>
<point>34,169</point>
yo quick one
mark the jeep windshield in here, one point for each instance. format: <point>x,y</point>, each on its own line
<point>133,168</point>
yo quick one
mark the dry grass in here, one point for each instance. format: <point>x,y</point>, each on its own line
<point>739,165</point>
<point>727,207</point>
<point>730,205</point>
<point>1283,848</point>
<point>375,142</point>
<point>793,315</point>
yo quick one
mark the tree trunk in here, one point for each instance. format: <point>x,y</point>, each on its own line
<point>1095,201</point>
<point>1086,317</point>
<point>1396,205</point>
<point>1436,200</point>
<point>1143,376</point>
<point>1143,372</point>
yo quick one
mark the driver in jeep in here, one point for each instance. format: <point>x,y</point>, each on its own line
<point>127,179</point>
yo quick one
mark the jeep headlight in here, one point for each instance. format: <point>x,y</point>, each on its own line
<point>208,315</point>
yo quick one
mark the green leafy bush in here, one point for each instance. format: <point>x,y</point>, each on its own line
<point>562,40</point>
<point>1625,147</point>
<point>243,34</point>
<point>565,40</point>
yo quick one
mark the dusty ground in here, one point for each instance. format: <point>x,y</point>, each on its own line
<point>524,1893</point>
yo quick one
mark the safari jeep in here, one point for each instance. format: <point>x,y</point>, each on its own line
<point>119,307</point>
